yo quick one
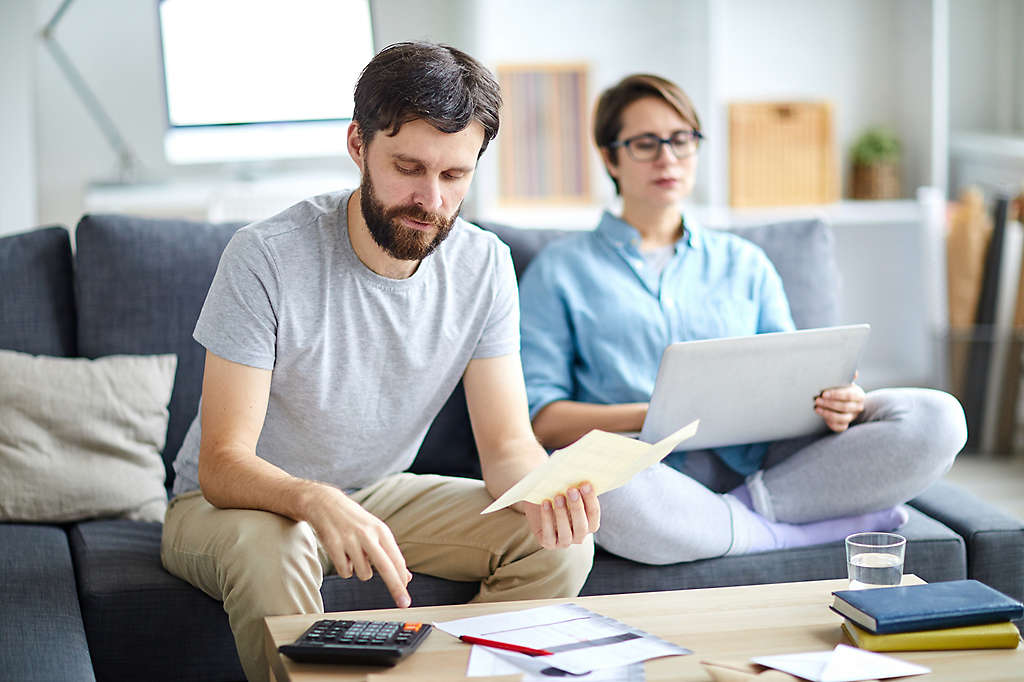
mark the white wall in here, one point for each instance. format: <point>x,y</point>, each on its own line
<point>666,37</point>
<point>17,156</point>
<point>986,63</point>
<point>843,51</point>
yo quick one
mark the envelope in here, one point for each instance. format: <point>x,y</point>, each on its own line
<point>607,460</point>
<point>842,664</point>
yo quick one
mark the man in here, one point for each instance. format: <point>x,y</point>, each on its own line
<point>335,331</point>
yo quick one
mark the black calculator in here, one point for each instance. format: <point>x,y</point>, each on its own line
<point>356,641</point>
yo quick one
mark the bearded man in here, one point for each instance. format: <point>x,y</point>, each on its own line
<point>335,331</point>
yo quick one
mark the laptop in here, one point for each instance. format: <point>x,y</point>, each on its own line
<point>748,389</point>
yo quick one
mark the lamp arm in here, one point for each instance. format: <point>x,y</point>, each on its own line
<point>127,160</point>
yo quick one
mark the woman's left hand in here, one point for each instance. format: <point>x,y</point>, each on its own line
<point>840,406</point>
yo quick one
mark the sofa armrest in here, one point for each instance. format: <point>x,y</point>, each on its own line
<point>995,539</point>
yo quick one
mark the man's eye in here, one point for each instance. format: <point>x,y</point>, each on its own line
<point>644,145</point>
<point>454,176</point>
<point>406,171</point>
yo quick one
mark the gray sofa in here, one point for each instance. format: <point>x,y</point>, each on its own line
<point>90,600</point>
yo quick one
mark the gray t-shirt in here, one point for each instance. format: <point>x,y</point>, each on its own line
<point>361,363</point>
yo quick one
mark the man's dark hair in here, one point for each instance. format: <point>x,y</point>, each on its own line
<point>437,83</point>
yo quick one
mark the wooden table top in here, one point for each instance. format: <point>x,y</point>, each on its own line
<point>724,623</point>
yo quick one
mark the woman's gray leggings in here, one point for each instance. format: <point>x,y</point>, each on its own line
<point>905,439</point>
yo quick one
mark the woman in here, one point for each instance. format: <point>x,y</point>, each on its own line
<point>599,308</point>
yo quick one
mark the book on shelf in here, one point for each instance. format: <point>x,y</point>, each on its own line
<point>1000,374</point>
<point>930,606</point>
<point>980,357</point>
<point>1002,635</point>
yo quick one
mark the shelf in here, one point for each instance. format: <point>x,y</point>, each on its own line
<point>984,144</point>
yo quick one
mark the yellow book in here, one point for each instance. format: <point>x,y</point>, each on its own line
<point>989,636</point>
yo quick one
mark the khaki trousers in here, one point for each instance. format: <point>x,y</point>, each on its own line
<point>262,564</point>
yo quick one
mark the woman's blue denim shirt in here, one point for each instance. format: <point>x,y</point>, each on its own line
<point>596,319</point>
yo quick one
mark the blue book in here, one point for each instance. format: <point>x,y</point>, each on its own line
<point>925,607</point>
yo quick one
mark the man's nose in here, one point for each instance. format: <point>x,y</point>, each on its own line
<point>428,195</point>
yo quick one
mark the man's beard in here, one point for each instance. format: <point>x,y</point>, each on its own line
<point>397,240</point>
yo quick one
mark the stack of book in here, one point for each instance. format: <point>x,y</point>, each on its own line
<point>959,614</point>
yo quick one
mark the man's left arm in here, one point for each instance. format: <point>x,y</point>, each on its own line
<point>496,398</point>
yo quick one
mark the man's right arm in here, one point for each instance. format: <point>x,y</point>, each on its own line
<point>231,475</point>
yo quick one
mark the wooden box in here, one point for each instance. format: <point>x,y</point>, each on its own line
<point>781,153</point>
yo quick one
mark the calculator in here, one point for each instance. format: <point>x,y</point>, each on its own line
<point>356,641</point>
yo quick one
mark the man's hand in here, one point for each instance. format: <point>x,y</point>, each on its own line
<point>566,520</point>
<point>840,406</point>
<point>357,541</point>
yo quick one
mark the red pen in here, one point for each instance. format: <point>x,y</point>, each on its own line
<point>504,645</point>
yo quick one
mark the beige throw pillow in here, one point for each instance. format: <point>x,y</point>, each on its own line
<point>82,438</point>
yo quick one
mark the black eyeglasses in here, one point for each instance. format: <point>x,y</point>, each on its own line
<point>647,147</point>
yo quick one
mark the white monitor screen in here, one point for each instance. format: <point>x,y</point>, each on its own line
<point>230,62</point>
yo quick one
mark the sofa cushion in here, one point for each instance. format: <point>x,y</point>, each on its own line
<point>934,553</point>
<point>82,438</point>
<point>41,633</point>
<point>803,251</point>
<point>144,623</point>
<point>37,303</point>
<point>140,285</point>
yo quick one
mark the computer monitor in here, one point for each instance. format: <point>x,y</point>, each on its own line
<point>249,80</point>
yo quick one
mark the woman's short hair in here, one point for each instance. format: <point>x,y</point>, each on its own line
<point>436,83</point>
<point>614,100</point>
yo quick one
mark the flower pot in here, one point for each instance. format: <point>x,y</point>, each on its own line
<point>876,181</point>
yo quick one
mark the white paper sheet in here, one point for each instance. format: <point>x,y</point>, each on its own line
<point>607,460</point>
<point>843,664</point>
<point>484,662</point>
<point>581,640</point>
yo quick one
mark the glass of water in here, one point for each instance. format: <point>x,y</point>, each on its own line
<point>875,559</point>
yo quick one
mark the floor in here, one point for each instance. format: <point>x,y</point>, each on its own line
<point>997,479</point>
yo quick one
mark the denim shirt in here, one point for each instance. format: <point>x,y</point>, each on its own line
<point>596,318</point>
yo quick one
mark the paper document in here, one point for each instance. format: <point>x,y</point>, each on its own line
<point>843,664</point>
<point>579,640</point>
<point>607,460</point>
<point>485,662</point>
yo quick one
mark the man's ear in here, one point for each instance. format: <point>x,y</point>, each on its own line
<point>356,146</point>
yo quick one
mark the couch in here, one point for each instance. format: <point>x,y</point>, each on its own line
<point>90,600</point>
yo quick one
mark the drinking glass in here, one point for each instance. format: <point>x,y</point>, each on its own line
<point>875,559</point>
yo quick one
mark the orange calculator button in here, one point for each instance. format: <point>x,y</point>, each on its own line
<point>414,627</point>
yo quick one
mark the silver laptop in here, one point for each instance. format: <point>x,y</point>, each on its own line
<point>748,389</point>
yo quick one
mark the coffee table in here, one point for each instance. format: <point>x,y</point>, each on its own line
<point>724,623</point>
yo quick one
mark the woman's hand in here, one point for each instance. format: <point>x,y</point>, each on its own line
<point>840,406</point>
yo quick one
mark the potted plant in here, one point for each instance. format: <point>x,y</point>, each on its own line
<point>875,156</point>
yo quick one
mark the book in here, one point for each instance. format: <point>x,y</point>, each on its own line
<point>1001,336</point>
<point>989,636</point>
<point>929,606</point>
<point>979,359</point>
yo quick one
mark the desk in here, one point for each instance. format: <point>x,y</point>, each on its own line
<point>724,623</point>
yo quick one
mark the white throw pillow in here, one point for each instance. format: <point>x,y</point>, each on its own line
<point>82,438</point>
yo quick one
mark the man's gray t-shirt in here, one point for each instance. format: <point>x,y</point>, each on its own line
<point>361,363</point>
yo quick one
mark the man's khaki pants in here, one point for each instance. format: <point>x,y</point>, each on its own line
<point>262,564</point>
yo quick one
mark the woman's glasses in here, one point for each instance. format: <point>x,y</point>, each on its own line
<point>647,147</point>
